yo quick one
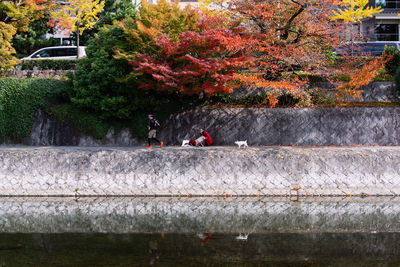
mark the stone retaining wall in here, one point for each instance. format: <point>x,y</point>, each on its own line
<point>22,74</point>
<point>288,126</point>
<point>259,126</point>
<point>219,171</point>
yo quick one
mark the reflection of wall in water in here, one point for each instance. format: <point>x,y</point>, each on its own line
<point>199,215</point>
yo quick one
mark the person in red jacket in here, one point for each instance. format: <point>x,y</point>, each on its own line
<point>203,140</point>
<point>208,141</point>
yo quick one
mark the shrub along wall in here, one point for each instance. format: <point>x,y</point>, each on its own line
<point>48,64</point>
<point>19,100</point>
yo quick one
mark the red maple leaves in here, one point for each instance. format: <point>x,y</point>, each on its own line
<point>196,62</point>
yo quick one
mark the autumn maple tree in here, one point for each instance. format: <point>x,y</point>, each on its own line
<point>15,16</point>
<point>289,37</point>
<point>197,62</point>
<point>77,16</point>
<point>193,60</point>
<point>353,11</point>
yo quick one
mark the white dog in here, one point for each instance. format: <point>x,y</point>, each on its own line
<point>242,237</point>
<point>241,143</point>
<point>185,143</point>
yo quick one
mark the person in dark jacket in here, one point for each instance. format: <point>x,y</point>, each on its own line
<point>153,124</point>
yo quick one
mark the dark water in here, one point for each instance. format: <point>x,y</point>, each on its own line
<point>207,249</point>
<point>199,232</point>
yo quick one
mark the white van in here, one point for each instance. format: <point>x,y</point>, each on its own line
<point>57,52</point>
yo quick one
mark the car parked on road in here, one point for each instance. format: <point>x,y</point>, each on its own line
<point>57,52</point>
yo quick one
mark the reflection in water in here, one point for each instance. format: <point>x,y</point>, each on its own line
<point>341,249</point>
<point>198,215</point>
<point>199,232</point>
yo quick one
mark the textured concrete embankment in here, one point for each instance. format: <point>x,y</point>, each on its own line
<point>198,215</point>
<point>201,171</point>
<point>259,126</point>
<point>288,126</point>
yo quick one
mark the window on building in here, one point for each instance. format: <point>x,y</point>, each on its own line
<point>388,3</point>
<point>387,32</point>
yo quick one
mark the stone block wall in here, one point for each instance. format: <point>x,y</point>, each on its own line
<point>22,74</point>
<point>288,126</point>
<point>217,171</point>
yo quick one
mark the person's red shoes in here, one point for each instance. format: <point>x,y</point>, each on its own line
<point>161,145</point>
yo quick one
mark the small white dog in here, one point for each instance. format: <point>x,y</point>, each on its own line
<point>185,143</point>
<point>241,143</point>
<point>242,237</point>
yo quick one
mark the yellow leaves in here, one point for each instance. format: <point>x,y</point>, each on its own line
<point>7,60</point>
<point>213,7</point>
<point>354,11</point>
<point>16,16</point>
<point>78,15</point>
<point>166,17</point>
<point>21,13</point>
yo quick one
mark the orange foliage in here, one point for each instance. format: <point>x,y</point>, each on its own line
<point>360,78</point>
<point>284,38</point>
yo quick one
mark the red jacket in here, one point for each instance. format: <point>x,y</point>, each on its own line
<point>208,138</point>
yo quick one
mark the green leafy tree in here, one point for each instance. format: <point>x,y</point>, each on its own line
<point>97,81</point>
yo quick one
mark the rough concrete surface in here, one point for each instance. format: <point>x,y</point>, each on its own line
<point>288,126</point>
<point>48,131</point>
<point>259,126</point>
<point>201,171</point>
<point>199,215</point>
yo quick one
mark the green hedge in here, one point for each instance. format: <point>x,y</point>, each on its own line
<point>20,99</point>
<point>48,64</point>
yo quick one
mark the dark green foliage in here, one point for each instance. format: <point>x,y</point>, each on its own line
<point>397,80</point>
<point>26,46</point>
<point>19,100</point>
<point>287,100</point>
<point>97,81</point>
<point>87,123</point>
<point>383,76</point>
<point>342,78</point>
<point>392,65</point>
<point>48,64</point>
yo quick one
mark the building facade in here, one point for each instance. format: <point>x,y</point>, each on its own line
<point>383,26</point>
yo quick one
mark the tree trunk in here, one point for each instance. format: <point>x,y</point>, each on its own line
<point>77,38</point>
<point>77,44</point>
